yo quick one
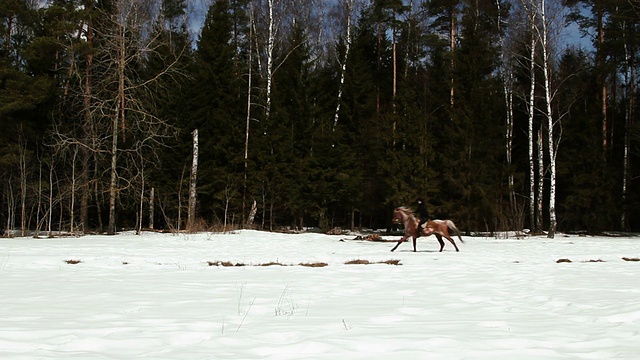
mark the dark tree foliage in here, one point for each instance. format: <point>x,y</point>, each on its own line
<point>584,173</point>
<point>216,109</point>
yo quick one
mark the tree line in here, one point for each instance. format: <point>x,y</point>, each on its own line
<point>318,113</point>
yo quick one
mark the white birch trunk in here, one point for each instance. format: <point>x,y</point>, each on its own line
<point>343,69</point>
<point>551,145</point>
<point>530,111</point>
<point>192,186</point>
<point>540,182</point>
<point>252,213</point>
<point>509,137</point>
<point>270,45</point>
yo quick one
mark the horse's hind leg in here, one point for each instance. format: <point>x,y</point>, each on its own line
<point>440,241</point>
<point>452,241</point>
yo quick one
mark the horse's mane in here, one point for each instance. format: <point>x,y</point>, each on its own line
<point>405,210</point>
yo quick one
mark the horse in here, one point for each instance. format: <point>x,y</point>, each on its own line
<point>439,228</point>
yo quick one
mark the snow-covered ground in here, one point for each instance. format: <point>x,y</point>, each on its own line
<point>156,296</point>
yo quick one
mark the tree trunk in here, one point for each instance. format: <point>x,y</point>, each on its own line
<point>248,119</point>
<point>88,132</point>
<point>540,182</point>
<point>23,187</point>
<point>111,228</point>
<point>191,215</point>
<point>252,214</point>
<point>118,117</point>
<point>83,222</point>
<point>72,205</point>
<point>551,145</point>
<point>151,207</point>
<point>343,67</point>
<point>141,207</point>
<point>10,208</point>
<point>39,207</point>
<point>50,215</point>
<point>530,111</point>
<point>270,46</point>
<point>179,223</point>
<point>96,194</point>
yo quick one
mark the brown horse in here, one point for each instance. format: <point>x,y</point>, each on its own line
<point>438,227</point>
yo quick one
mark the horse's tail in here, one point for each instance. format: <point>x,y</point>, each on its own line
<point>453,227</point>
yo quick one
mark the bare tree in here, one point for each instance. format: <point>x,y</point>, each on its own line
<point>228,195</point>
<point>116,96</point>
<point>547,32</point>
<point>525,21</point>
<point>545,20</point>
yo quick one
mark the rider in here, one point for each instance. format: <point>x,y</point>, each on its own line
<point>424,216</point>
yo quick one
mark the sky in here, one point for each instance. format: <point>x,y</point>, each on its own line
<point>170,296</point>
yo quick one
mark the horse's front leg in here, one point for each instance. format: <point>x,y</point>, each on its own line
<point>403,239</point>
<point>414,243</point>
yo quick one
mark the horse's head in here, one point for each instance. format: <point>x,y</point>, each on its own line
<point>397,216</point>
<point>400,215</point>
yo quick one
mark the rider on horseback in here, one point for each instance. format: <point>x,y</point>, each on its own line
<point>424,216</point>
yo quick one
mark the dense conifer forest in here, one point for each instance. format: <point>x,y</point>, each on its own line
<point>501,114</point>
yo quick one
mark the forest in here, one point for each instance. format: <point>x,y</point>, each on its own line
<point>288,114</point>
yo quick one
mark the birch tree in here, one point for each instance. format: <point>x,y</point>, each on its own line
<point>347,7</point>
<point>535,211</point>
<point>271,38</point>
<point>547,31</point>
<point>530,116</point>
<point>133,128</point>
